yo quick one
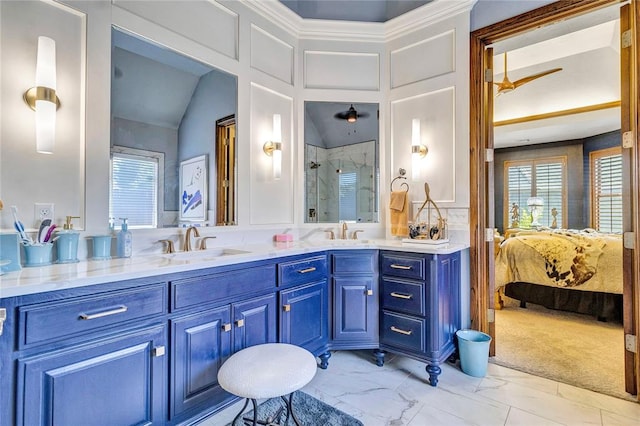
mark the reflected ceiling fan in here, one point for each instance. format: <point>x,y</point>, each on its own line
<point>351,115</point>
<point>507,85</point>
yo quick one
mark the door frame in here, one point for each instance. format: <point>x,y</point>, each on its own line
<point>481,211</point>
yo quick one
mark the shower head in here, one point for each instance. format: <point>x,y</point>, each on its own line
<point>314,165</point>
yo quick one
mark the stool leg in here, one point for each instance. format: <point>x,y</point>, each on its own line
<point>255,412</point>
<point>246,402</point>
<point>290,410</point>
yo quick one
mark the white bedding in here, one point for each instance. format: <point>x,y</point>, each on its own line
<point>587,261</point>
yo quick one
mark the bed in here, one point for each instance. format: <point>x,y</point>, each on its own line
<point>570,270</point>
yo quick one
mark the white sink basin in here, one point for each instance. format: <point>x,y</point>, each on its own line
<point>208,254</point>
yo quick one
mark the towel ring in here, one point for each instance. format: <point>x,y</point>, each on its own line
<point>405,184</point>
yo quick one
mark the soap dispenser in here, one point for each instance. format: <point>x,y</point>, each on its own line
<point>67,242</point>
<point>125,240</point>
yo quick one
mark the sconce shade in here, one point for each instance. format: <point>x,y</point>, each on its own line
<point>42,98</point>
<point>273,148</point>
<point>418,150</point>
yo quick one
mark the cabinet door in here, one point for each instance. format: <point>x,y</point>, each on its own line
<point>201,343</point>
<point>355,309</point>
<point>120,381</point>
<point>304,316</point>
<point>254,322</point>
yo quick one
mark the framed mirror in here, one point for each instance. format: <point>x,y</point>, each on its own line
<point>341,166</point>
<point>167,111</point>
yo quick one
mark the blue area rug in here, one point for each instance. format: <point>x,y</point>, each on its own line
<point>309,411</point>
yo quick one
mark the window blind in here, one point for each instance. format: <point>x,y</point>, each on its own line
<point>544,178</point>
<point>134,189</point>
<point>606,178</point>
<point>347,202</point>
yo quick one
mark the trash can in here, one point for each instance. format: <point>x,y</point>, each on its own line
<point>473,347</point>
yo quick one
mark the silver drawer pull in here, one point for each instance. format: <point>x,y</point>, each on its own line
<point>399,330</point>
<point>307,270</point>
<point>403,267</point>
<point>401,296</point>
<point>115,311</point>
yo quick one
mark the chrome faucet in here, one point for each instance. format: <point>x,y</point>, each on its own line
<point>343,234</point>
<point>187,237</point>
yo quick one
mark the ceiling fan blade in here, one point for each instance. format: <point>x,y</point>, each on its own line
<point>530,78</point>
<point>363,114</point>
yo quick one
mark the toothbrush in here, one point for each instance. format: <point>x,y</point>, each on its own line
<point>20,227</point>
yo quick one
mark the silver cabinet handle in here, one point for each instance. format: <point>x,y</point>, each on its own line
<point>399,330</point>
<point>401,296</point>
<point>115,311</point>
<point>307,270</point>
<point>403,267</point>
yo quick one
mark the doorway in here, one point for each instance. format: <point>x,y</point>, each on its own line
<point>482,173</point>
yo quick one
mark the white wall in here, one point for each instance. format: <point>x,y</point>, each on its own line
<point>418,62</point>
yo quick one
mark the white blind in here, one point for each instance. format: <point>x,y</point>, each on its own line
<point>606,178</point>
<point>134,189</point>
<point>544,178</point>
<point>347,202</point>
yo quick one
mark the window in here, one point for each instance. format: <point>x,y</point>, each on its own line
<point>347,202</point>
<point>606,190</point>
<point>542,178</point>
<point>137,186</point>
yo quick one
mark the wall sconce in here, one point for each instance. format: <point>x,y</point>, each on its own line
<point>418,151</point>
<point>273,148</point>
<point>42,98</point>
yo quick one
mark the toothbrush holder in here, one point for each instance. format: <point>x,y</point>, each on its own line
<point>101,247</point>
<point>67,246</point>
<point>37,254</point>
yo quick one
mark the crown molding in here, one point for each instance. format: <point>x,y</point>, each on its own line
<point>321,29</point>
<point>429,14</point>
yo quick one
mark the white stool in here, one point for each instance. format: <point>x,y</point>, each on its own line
<point>265,371</point>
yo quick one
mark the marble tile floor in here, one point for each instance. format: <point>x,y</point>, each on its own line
<point>399,394</point>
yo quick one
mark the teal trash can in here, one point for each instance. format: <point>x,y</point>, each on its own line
<point>473,347</point>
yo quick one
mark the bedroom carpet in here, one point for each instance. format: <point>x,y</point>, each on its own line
<point>566,347</point>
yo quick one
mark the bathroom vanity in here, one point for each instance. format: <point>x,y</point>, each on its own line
<point>142,341</point>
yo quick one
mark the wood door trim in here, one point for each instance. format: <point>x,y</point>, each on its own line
<point>480,301</point>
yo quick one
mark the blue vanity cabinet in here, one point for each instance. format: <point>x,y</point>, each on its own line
<point>76,356</point>
<point>118,381</point>
<point>304,304</point>
<point>420,298</point>
<point>214,314</point>
<point>355,299</point>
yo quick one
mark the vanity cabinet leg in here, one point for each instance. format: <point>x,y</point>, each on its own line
<point>434,371</point>
<point>379,356</point>
<point>324,360</point>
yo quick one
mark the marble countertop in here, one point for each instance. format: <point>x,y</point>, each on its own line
<point>40,279</point>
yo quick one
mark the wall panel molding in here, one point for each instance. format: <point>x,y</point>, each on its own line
<point>271,55</point>
<point>209,23</point>
<point>341,70</point>
<point>423,60</point>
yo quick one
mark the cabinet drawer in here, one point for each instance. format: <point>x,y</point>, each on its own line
<point>354,263</point>
<point>405,266</point>
<point>403,296</point>
<point>52,321</point>
<point>302,271</point>
<point>221,287</point>
<point>403,331</point>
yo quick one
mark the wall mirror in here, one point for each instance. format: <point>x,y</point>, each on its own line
<point>341,162</point>
<point>173,144</point>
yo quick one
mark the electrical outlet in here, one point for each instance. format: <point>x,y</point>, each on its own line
<point>44,211</point>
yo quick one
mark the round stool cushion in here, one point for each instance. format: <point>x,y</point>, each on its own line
<point>267,371</point>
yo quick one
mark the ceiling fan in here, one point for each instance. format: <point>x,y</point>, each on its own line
<point>507,85</point>
<point>351,115</point>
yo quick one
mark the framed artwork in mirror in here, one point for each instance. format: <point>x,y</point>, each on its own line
<point>193,189</point>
